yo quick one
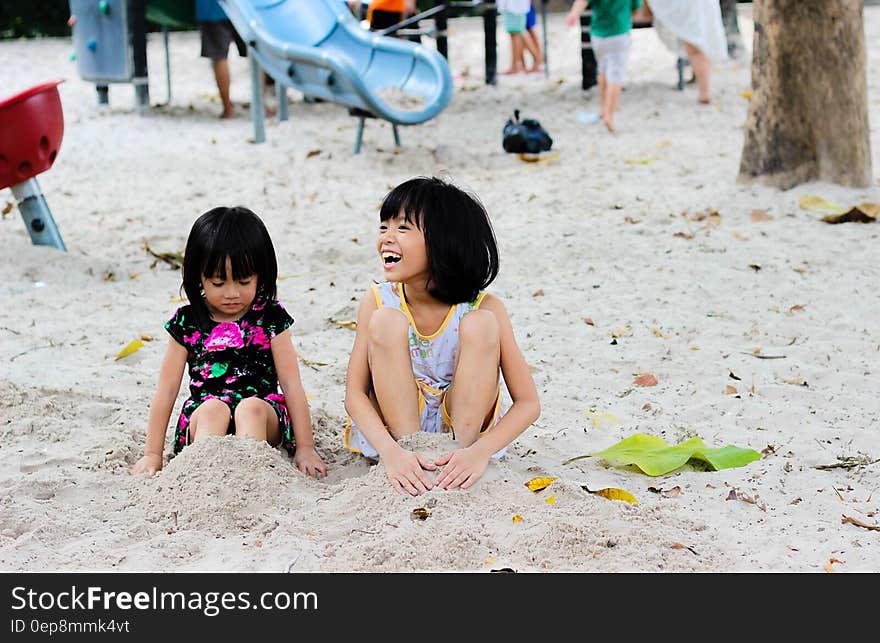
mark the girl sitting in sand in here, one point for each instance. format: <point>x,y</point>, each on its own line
<point>234,337</point>
<point>430,342</point>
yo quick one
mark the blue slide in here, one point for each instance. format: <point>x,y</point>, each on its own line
<point>320,49</point>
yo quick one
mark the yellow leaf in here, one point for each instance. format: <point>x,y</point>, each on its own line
<point>538,158</point>
<point>133,346</point>
<point>818,204</point>
<point>747,94</point>
<point>536,484</point>
<point>517,518</point>
<point>596,417</point>
<point>551,500</point>
<point>641,161</point>
<point>613,493</point>
<point>350,325</point>
<point>659,333</point>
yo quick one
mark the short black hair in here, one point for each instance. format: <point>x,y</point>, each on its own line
<point>459,240</point>
<point>237,233</point>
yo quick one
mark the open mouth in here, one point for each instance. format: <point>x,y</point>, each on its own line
<point>390,258</point>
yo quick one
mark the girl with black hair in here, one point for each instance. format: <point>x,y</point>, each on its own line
<point>234,337</point>
<point>431,343</point>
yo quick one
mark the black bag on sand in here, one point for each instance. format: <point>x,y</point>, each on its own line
<point>525,136</point>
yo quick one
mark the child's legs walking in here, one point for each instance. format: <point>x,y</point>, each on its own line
<point>255,418</point>
<point>470,399</point>
<point>211,418</point>
<point>702,71</point>
<point>391,370</point>
<point>613,56</point>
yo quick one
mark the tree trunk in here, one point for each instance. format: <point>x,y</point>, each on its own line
<point>808,112</point>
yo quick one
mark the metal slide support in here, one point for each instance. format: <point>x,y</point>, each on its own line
<point>544,34</point>
<point>396,134</point>
<point>139,55</point>
<point>35,212</point>
<point>281,97</point>
<point>359,134</point>
<point>258,109</point>
<point>167,62</point>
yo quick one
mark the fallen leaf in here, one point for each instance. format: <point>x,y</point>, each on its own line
<point>641,161</point>
<point>666,493</point>
<point>680,546</point>
<point>6,208</point>
<point>858,523</point>
<point>659,333</point>
<point>312,153</point>
<point>312,362</point>
<point>631,221</point>
<point>538,293</point>
<point>147,338</point>
<point>730,390</point>
<point>733,376</point>
<point>747,94</point>
<point>597,416</point>
<point>490,560</point>
<point>760,215</point>
<point>853,215</point>
<point>818,204</point>
<point>551,500</point>
<point>536,484</point>
<point>538,158</point>
<point>420,513</point>
<point>613,493</point>
<point>648,379</point>
<point>589,321</point>
<point>517,518</point>
<point>349,324</point>
<point>622,331</point>
<point>796,308</point>
<point>797,381</point>
<point>132,347</point>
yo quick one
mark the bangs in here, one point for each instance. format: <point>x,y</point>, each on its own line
<point>243,265</point>
<point>409,198</point>
<point>240,245</point>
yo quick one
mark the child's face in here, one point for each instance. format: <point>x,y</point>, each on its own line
<point>402,250</point>
<point>228,299</point>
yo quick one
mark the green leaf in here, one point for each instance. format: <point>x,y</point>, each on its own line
<point>655,457</point>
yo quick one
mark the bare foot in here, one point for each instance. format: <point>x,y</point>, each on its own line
<point>609,123</point>
<point>535,69</point>
<point>228,112</point>
<point>704,100</point>
<point>512,71</point>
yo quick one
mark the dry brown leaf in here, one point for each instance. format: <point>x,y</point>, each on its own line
<point>647,379</point>
<point>538,293</point>
<point>589,321</point>
<point>858,523</point>
<point>683,235</point>
<point>622,331</point>
<point>6,208</point>
<point>312,153</point>
<point>797,381</point>
<point>854,215</point>
<point>349,324</point>
<point>420,513</point>
<point>796,308</point>
<point>760,215</point>
<point>730,390</point>
<point>659,333</point>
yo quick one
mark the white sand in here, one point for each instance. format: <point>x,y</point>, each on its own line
<point>591,234</point>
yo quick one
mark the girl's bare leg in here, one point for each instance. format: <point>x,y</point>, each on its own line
<point>602,90</point>
<point>471,397</point>
<point>211,418</point>
<point>255,418</point>
<point>612,99</point>
<point>391,371</point>
<point>702,71</point>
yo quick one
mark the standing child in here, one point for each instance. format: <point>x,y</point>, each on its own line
<point>234,338</point>
<point>611,37</point>
<point>515,16</point>
<point>430,342</point>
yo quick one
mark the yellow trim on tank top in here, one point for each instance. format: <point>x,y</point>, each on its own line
<point>346,437</point>
<point>412,322</point>
<point>447,420</point>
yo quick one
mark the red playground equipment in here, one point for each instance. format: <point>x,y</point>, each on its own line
<point>31,128</point>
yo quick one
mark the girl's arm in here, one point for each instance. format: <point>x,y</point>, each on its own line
<point>170,376</point>
<point>574,14</point>
<point>467,465</point>
<point>305,457</point>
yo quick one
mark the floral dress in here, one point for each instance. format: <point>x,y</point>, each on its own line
<point>231,361</point>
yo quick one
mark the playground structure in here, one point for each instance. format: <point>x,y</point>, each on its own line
<point>315,46</point>
<point>31,129</point>
<point>320,49</point>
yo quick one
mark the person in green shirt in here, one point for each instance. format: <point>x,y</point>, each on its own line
<point>610,28</point>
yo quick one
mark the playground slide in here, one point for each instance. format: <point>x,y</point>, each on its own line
<point>319,48</point>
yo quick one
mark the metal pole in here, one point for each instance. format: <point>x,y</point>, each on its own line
<point>141,82</point>
<point>588,58</point>
<point>440,22</point>
<point>167,62</point>
<point>35,212</point>
<point>258,109</point>
<point>544,33</point>
<point>489,37</point>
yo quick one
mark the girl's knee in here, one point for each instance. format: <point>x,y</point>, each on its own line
<point>480,328</point>
<point>387,327</point>
<point>252,409</point>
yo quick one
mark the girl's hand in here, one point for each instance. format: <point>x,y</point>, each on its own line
<point>463,468</point>
<point>405,471</point>
<point>150,464</point>
<point>309,462</point>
